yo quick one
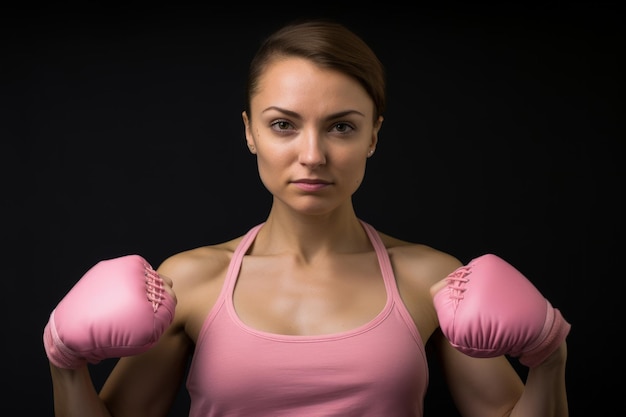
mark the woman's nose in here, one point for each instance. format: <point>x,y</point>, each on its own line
<point>312,151</point>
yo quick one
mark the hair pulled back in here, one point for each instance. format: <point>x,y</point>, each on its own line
<point>329,45</point>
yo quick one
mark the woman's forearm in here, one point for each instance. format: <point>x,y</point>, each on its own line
<point>545,394</point>
<point>74,394</point>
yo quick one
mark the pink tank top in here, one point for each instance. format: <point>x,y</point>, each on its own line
<point>376,370</point>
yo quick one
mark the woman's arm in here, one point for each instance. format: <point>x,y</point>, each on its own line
<point>486,310</point>
<point>120,308</point>
<point>545,391</point>
<point>491,387</point>
<point>144,384</point>
<point>74,393</point>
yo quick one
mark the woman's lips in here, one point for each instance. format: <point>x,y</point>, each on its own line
<point>311,185</point>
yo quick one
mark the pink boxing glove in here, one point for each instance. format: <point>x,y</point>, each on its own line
<point>118,308</point>
<point>488,308</point>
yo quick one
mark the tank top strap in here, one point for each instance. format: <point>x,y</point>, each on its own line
<point>235,263</point>
<point>383,261</point>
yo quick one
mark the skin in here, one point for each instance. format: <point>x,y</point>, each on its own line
<point>312,130</point>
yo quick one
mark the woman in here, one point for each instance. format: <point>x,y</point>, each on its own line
<point>313,312</point>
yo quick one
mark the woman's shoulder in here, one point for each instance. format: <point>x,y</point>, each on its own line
<point>199,264</point>
<point>417,269</point>
<point>197,276</point>
<point>417,261</point>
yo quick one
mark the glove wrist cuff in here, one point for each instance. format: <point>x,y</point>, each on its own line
<point>555,331</point>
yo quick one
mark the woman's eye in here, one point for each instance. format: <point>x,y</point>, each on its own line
<point>281,125</point>
<point>342,127</point>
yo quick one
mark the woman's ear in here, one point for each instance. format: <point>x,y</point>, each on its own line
<point>377,126</point>
<point>248,132</point>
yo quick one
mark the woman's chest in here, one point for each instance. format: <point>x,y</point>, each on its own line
<point>321,298</point>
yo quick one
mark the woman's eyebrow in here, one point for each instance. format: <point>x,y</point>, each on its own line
<point>296,115</point>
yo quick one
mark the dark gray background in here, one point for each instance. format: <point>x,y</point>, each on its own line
<point>504,134</point>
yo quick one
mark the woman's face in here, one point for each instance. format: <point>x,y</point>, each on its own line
<point>312,130</point>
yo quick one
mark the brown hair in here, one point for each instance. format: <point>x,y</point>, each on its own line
<point>329,45</point>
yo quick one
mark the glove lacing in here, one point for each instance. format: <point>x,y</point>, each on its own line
<point>456,282</point>
<point>154,287</point>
